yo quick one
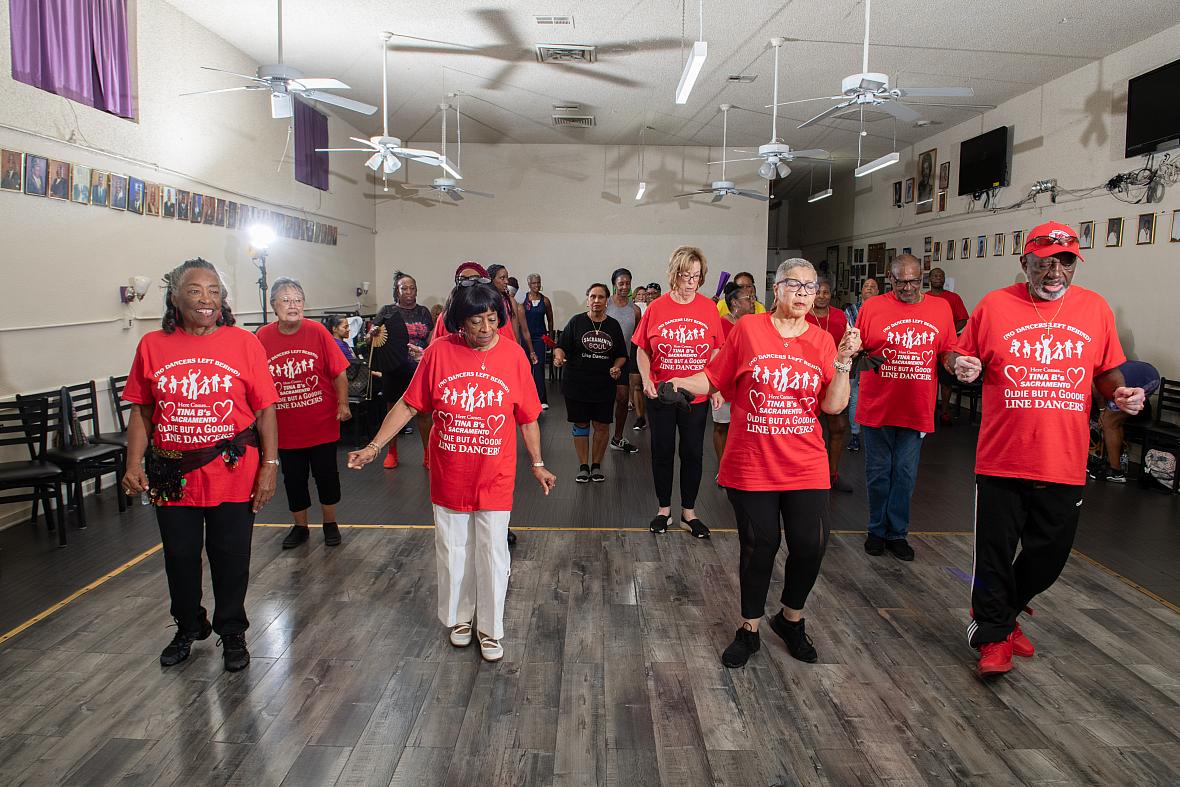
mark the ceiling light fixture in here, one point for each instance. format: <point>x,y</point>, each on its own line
<point>817,196</point>
<point>696,61</point>
<point>885,161</point>
<point>639,165</point>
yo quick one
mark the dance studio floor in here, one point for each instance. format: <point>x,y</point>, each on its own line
<point>611,673</point>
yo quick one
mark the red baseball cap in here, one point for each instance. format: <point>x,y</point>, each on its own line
<point>1051,238</point>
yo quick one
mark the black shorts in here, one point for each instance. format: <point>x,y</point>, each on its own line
<point>580,412</point>
<point>631,367</point>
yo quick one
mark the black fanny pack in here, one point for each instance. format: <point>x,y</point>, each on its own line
<point>166,469</point>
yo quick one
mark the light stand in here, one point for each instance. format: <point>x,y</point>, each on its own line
<point>261,236</point>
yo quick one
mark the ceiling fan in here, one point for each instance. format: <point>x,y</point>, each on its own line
<point>448,186</point>
<point>283,82</point>
<point>775,154</point>
<point>870,90</point>
<point>386,151</point>
<point>720,188</point>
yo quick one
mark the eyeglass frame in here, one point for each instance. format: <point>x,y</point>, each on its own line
<point>471,281</point>
<point>810,287</point>
<point>1040,264</point>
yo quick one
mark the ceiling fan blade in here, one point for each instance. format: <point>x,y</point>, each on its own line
<point>732,160</point>
<point>752,195</point>
<point>692,193</point>
<point>428,41</point>
<point>224,90</point>
<point>899,111</point>
<point>366,142</point>
<point>953,106</point>
<point>251,77</point>
<point>477,193</point>
<point>811,153</point>
<point>454,194</point>
<point>804,101</point>
<point>343,150</point>
<point>721,196</point>
<point>318,83</point>
<point>339,101</point>
<point>937,92</point>
<point>829,111</point>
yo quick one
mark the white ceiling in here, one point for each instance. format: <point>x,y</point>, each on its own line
<point>998,47</point>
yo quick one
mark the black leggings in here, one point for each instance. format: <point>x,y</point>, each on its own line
<point>804,519</point>
<point>320,460</point>
<point>226,531</point>
<point>665,421</point>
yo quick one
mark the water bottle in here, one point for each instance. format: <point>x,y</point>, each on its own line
<point>144,498</point>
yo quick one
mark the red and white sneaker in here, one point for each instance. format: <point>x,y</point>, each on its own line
<point>1021,645</point>
<point>995,658</point>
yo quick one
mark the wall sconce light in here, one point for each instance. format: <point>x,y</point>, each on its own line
<point>136,289</point>
<point>362,289</point>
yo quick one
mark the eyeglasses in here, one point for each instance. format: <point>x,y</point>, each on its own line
<point>689,276</point>
<point>1041,241</point>
<point>471,281</point>
<point>902,284</point>
<point>291,301</point>
<point>1040,265</point>
<point>795,285</point>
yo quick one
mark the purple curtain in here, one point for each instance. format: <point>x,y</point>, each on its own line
<point>311,132</point>
<point>74,48</point>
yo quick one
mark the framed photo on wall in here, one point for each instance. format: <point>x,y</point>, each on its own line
<point>231,217</point>
<point>36,175</point>
<point>152,200</point>
<point>135,195</point>
<point>1114,232</point>
<point>1018,242</point>
<point>119,192</point>
<point>907,250</point>
<point>100,188</point>
<point>950,249</point>
<point>80,190</point>
<point>944,176</point>
<point>1145,232</point>
<point>897,193</point>
<point>926,176</point>
<point>965,249</point>
<point>981,246</point>
<point>998,245</point>
<point>941,201</point>
<point>12,175</point>
<point>168,206</point>
<point>208,209</point>
<point>182,203</point>
<point>926,263</point>
<point>59,180</point>
<point>927,244</point>
<point>1174,237</point>
<point>197,207</point>
<point>936,255</point>
<point>1086,235</point>
<point>909,190</point>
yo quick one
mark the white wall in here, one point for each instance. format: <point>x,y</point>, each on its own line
<point>568,212</point>
<point>1071,129</point>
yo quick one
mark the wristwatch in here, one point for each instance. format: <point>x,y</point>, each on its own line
<point>270,461</point>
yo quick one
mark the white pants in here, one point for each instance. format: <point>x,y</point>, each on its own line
<point>471,553</point>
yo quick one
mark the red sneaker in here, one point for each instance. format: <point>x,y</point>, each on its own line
<point>1021,645</point>
<point>995,658</point>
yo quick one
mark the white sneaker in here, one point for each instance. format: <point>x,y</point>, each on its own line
<point>461,635</point>
<point>490,649</point>
<point>544,405</point>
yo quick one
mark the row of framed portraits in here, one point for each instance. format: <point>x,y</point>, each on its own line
<point>39,176</point>
<point>923,188</point>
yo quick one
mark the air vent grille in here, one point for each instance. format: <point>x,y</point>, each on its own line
<point>573,121</point>
<point>566,53</point>
<point>566,108</point>
<point>555,21</point>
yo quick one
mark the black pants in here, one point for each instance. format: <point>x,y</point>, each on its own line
<point>1042,519</point>
<point>803,514</point>
<point>665,421</point>
<point>320,460</point>
<point>226,531</point>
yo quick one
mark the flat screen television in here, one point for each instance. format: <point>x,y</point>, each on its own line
<point>1153,113</point>
<point>983,162</point>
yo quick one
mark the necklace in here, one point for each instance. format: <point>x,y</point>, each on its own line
<point>786,339</point>
<point>1047,336</point>
<point>482,355</point>
<point>827,319</point>
<point>597,325</point>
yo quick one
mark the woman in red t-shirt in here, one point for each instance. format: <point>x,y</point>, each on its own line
<point>309,372</point>
<point>779,373</point>
<point>477,385</point>
<point>201,393</point>
<point>677,335</point>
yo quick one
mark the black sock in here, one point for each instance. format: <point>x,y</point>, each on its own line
<point>583,467</point>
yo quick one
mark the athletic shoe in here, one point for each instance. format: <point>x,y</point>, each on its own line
<point>182,643</point>
<point>840,485</point>
<point>874,545</point>
<point>461,635</point>
<point>900,549</point>
<point>1021,645</point>
<point>995,658</point>
<point>596,474</point>
<point>694,526</point>
<point>331,534</point>
<point>407,429</point>
<point>622,445</point>
<point>745,644</point>
<point>640,424</point>
<point>511,538</point>
<point>799,644</point>
<point>544,405</point>
<point>295,536</point>
<point>233,650</point>
<point>583,475</point>
<point>854,444</point>
<point>490,649</point>
<point>659,524</point>
<point>1110,475</point>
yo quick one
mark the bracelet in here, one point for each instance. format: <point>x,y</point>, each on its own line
<point>538,464</point>
<point>270,461</point>
<point>374,446</point>
<point>843,367</point>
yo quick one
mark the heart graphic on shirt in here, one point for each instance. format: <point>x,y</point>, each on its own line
<point>444,419</point>
<point>223,409</point>
<point>927,356</point>
<point>890,354</point>
<point>664,349</point>
<point>312,382</point>
<point>168,408</point>
<point>1075,374</point>
<point>495,422</point>
<point>703,349</point>
<point>1015,374</point>
<point>808,402</point>
<point>757,399</point>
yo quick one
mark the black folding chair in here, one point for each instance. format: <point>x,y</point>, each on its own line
<point>120,408</point>
<point>1161,434</point>
<point>26,422</point>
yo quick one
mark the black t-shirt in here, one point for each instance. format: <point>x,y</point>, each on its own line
<point>590,352</point>
<point>405,326</point>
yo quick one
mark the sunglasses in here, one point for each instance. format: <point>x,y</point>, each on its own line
<point>471,281</point>
<point>1042,241</point>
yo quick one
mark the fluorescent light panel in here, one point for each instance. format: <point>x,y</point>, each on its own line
<point>881,163</point>
<point>641,190</point>
<point>817,196</point>
<point>692,69</point>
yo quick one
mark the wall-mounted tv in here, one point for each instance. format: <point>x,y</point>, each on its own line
<point>1153,113</point>
<point>983,162</point>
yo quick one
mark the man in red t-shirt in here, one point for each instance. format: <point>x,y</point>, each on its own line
<point>895,407</point>
<point>834,322</point>
<point>1040,347</point>
<point>960,313</point>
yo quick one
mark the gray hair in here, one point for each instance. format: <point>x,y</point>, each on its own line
<point>794,262</point>
<point>532,276</point>
<point>903,258</point>
<point>285,283</point>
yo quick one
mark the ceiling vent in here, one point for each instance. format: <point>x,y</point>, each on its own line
<point>566,53</point>
<point>566,108</point>
<point>555,21</point>
<point>744,79</point>
<point>573,121</point>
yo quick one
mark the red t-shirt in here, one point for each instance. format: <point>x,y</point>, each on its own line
<point>679,337</point>
<point>204,389</point>
<point>958,308</point>
<point>726,329</point>
<point>910,337</point>
<point>441,332</point>
<point>1038,371</point>
<point>834,322</point>
<point>304,365</point>
<point>475,412</point>
<point>775,442</point>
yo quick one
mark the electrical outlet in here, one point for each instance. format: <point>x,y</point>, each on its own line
<point>127,324</point>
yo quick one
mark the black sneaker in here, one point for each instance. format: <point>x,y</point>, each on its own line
<point>694,526</point>
<point>799,644</point>
<point>233,650</point>
<point>1116,477</point>
<point>583,476</point>
<point>854,444</point>
<point>331,534</point>
<point>622,445</point>
<point>745,644</point>
<point>875,545</point>
<point>596,474</point>
<point>900,549</point>
<point>182,643</point>
<point>640,424</point>
<point>659,524</point>
<point>511,538</point>
<point>295,536</point>
<point>1104,472</point>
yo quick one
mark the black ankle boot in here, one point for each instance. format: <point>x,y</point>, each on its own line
<point>182,643</point>
<point>799,644</point>
<point>295,536</point>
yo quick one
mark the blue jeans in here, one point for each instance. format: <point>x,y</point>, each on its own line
<point>891,470</point>
<point>853,390</point>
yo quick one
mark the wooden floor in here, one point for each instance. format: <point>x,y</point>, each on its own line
<point>611,676</point>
